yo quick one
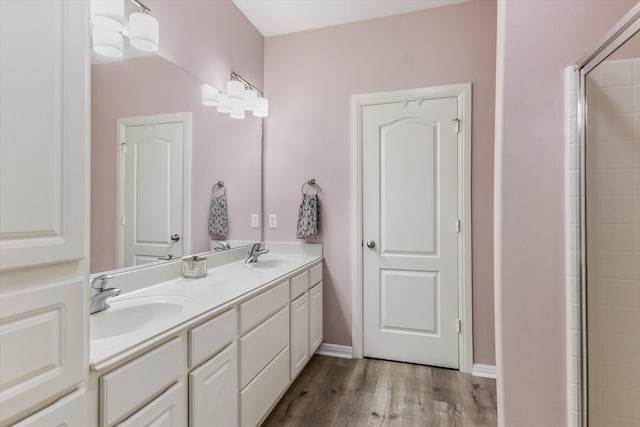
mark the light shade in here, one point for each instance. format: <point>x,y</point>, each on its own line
<point>235,89</point>
<point>107,15</point>
<point>262,108</point>
<point>107,43</point>
<point>144,32</point>
<point>250,99</point>
<point>224,106</point>
<point>210,95</point>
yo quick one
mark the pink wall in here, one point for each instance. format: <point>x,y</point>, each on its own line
<point>195,35</point>
<point>310,77</point>
<point>537,40</point>
<point>210,39</point>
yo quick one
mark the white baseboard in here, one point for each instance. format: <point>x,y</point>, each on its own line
<point>485,371</point>
<point>335,350</point>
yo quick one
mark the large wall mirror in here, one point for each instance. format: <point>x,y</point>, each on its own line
<point>156,154</point>
<point>610,291</point>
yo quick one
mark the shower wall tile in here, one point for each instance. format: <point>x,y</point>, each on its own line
<point>613,233</point>
<point>617,73</point>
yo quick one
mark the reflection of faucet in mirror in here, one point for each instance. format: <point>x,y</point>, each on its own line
<point>224,246</point>
<point>99,300</point>
<point>255,252</point>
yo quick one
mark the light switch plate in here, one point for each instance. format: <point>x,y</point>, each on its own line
<point>255,221</point>
<point>273,221</point>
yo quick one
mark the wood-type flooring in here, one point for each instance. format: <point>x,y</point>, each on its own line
<point>369,392</point>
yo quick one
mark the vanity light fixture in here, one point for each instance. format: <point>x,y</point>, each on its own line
<point>144,30</point>
<point>241,97</point>
<point>107,43</point>
<point>107,17</point>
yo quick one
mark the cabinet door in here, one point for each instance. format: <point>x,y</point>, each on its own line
<point>44,65</point>
<point>299,334</point>
<point>315,318</point>
<point>213,391</point>
<point>167,410</point>
<point>43,131</point>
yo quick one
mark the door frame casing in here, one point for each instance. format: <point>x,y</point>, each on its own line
<point>183,117</point>
<point>463,93</point>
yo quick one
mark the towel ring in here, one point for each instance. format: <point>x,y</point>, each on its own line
<point>310,183</point>
<point>219,185</point>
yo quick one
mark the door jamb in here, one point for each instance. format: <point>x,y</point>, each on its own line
<point>463,93</point>
<point>184,117</point>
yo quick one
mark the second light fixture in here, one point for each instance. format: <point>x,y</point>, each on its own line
<point>241,97</point>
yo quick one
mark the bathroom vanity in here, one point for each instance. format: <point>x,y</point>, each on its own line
<point>216,351</point>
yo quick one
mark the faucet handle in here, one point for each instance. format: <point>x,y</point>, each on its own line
<point>101,280</point>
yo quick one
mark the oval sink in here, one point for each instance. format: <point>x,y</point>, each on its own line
<point>268,263</point>
<point>129,315</point>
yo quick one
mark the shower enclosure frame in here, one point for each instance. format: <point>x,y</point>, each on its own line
<point>618,35</point>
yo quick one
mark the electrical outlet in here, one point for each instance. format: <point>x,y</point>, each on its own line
<point>255,221</point>
<point>273,221</point>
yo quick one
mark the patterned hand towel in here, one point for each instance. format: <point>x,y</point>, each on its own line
<point>308,217</point>
<point>218,222</point>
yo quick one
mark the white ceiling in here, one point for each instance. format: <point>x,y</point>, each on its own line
<point>274,17</point>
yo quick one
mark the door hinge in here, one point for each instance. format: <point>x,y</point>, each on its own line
<point>457,125</point>
<point>123,147</point>
<point>458,225</point>
<point>123,220</point>
<point>459,326</point>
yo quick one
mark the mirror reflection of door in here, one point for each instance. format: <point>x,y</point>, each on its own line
<point>612,178</point>
<point>152,187</point>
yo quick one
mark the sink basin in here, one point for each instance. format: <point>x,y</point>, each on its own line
<point>267,263</point>
<point>128,315</point>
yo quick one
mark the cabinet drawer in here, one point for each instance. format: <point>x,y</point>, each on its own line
<point>68,411</point>
<point>264,305</point>
<point>167,410</point>
<point>210,337</point>
<point>139,381</point>
<point>263,391</point>
<point>261,345</point>
<point>315,275</point>
<point>299,284</point>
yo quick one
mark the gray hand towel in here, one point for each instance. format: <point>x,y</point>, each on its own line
<point>308,217</point>
<point>218,221</point>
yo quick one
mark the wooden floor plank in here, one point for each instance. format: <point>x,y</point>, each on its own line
<point>369,392</point>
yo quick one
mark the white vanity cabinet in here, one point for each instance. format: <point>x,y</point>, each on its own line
<point>264,350</point>
<point>44,48</point>
<point>225,369</point>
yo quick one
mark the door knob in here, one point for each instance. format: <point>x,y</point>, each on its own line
<point>175,237</point>
<point>371,244</point>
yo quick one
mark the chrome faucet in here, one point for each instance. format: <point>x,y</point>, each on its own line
<point>224,246</point>
<point>99,300</point>
<point>255,252</point>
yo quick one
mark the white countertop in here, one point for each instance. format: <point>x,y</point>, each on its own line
<point>223,287</point>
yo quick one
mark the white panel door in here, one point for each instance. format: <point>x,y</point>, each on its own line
<point>152,155</point>
<point>213,389</point>
<point>410,217</point>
